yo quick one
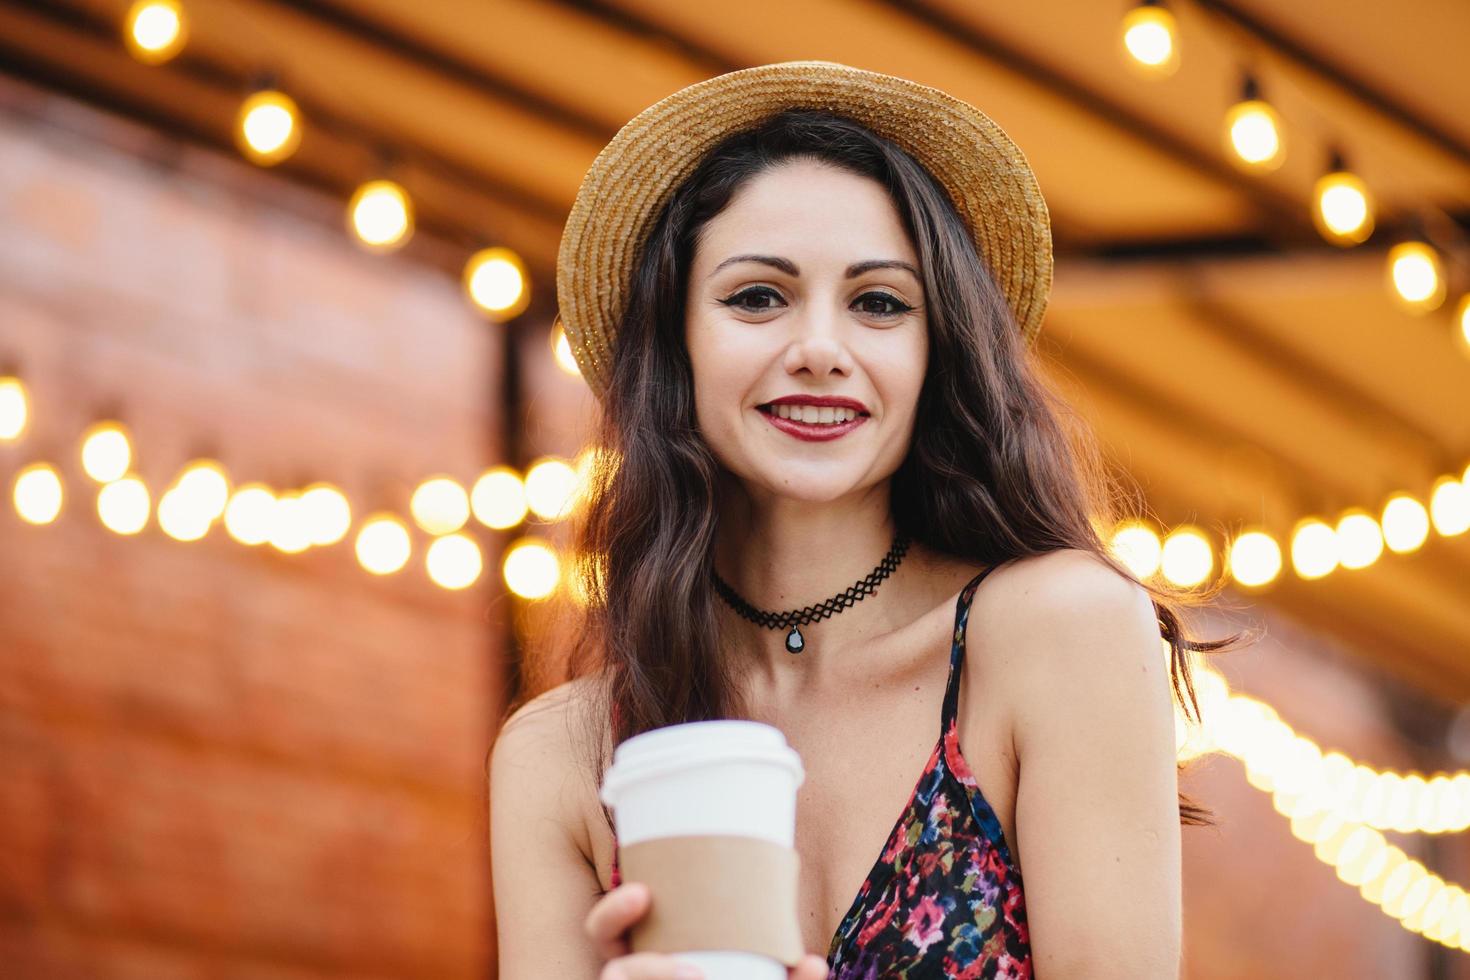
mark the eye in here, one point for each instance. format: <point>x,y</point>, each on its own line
<point>747,300</point>
<point>900,307</point>
<point>742,299</point>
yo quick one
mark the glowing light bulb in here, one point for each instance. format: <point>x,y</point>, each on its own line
<point>249,513</point>
<point>15,408</point>
<point>1253,131</point>
<point>1149,40</point>
<point>1359,539</point>
<point>207,484</point>
<point>1255,558</point>
<point>380,216</point>
<point>328,514</point>
<point>290,532</point>
<point>383,545</point>
<point>1416,276</point>
<point>1405,523</point>
<point>1138,547</point>
<point>1449,507</point>
<point>454,561</point>
<point>155,30</point>
<point>1314,548</point>
<point>181,517</point>
<point>124,504</point>
<point>495,280</point>
<point>268,127</point>
<point>498,498</point>
<point>530,568</point>
<point>440,505</point>
<point>551,486</point>
<point>37,493</point>
<point>107,452</point>
<point>1186,559</point>
<point>1343,210</point>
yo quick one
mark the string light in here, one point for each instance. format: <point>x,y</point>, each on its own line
<point>498,498</point>
<point>290,533</point>
<point>1186,558</point>
<point>184,515</point>
<point>551,486</point>
<point>1149,39</point>
<point>531,568</point>
<point>1254,558</point>
<point>380,216</point>
<point>247,516</point>
<point>1405,524</point>
<point>1462,320</point>
<point>440,505</point>
<point>1416,276</point>
<point>1341,807</point>
<point>1137,547</point>
<point>37,493</point>
<point>107,451</point>
<point>1253,132</point>
<point>328,513</point>
<point>383,546</point>
<point>496,281</point>
<point>1359,539</point>
<point>1314,548</point>
<point>268,126</point>
<point>1449,507</point>
<point>1342,208</point>
<point>123,505</point>
<point>155,30</point>
<point>454,561</point>
<point>15,408</point>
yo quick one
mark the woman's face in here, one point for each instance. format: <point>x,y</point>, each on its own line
<point>815,314</point>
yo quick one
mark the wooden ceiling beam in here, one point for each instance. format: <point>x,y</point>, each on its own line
<point>1339,77</point>
<point>1277,212</point>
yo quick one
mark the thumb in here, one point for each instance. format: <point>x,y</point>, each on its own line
<point>811,967</point>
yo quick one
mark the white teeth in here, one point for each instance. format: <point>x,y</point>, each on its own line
<point>814,415</point>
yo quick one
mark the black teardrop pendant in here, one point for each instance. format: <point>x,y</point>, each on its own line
<point>794,641</point>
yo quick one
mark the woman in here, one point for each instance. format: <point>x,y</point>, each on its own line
<point>820,282</point>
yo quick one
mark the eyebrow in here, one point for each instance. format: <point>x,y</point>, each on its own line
<point>789,267</point>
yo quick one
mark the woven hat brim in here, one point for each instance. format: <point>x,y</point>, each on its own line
<point>987,176</point>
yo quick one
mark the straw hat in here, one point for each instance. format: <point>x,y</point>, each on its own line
<point>985,173</point>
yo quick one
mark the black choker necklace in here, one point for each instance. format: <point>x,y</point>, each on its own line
<point>860,590</point>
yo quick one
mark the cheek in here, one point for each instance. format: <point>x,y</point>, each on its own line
<point>719,374</point>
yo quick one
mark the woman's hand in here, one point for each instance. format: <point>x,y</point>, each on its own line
<point>608,923</point>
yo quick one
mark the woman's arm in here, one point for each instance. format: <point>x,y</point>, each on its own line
<point>1097,812</point>
<point>543,885</point>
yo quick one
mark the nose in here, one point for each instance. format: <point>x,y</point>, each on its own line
<point>817,346</point>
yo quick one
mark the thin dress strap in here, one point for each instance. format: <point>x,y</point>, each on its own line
<point>957,649</point>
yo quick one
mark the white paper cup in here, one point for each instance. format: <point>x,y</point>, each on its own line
<point>708,777</point>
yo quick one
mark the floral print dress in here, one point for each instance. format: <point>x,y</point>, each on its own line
<point>945,898</point>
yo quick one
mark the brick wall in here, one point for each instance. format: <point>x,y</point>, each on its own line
<point>218,761</point>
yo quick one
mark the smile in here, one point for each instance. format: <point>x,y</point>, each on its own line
<point>810,431</point>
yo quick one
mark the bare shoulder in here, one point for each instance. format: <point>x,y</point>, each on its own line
<point>1086,683</point>
<point>1063,612</point>
<point>542,751</point>
<point>543,882</point>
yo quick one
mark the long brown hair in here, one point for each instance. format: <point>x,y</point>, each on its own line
<point>994,471</point>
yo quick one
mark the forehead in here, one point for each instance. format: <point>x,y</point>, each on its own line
<point>803,207</point>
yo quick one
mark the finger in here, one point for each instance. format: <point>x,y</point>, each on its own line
<point>608,920</point>
<point>649,966</point>
<point>811,967</point>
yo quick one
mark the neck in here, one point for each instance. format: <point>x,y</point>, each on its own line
<point>781,554</point>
